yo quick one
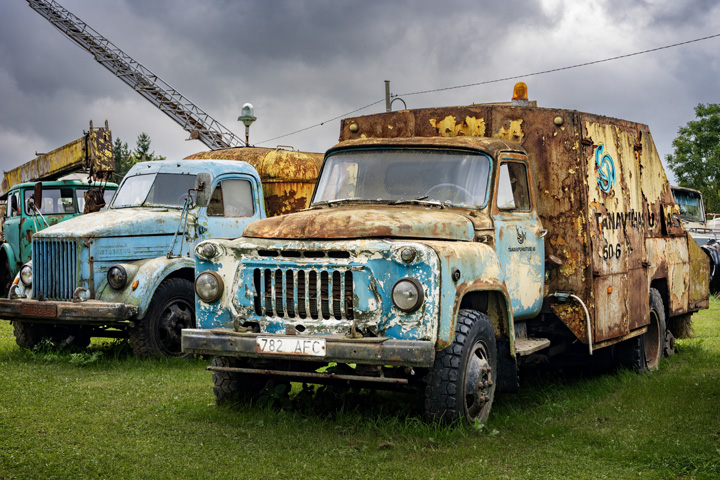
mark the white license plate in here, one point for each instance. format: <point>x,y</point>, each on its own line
<point>291,346</point>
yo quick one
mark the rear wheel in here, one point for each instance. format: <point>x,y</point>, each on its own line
<point>171,310</point>
<point>644,352</point>
<point>461,384</point>
<point>28,335</point>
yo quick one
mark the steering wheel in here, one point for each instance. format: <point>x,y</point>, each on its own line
<point>450,185</point>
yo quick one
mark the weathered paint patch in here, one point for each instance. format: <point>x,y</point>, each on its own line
<point>449,127</point>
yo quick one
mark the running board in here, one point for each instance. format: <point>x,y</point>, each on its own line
<point>526,346</point>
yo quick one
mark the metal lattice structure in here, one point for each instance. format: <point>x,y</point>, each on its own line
<point>195,121</point>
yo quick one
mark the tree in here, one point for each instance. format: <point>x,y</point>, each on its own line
<point>125,159</point>
<point>696,161</point>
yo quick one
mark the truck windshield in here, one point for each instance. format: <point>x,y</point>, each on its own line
<point>445,176</point>
<point>690,205</point>
<point>154,190</point>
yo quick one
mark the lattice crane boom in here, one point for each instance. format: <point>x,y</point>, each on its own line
<point>194,120</point>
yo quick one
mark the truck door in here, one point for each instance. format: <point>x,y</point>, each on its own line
<point>11,227</point>
<point>519,236</point>
<point>236,201</point>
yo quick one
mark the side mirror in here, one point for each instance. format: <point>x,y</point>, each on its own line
<point>202,187</point>
<point>38,193</point>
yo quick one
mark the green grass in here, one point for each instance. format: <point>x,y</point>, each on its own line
<point>104,414</point>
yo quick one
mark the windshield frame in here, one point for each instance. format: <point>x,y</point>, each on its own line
<point>420,198</point>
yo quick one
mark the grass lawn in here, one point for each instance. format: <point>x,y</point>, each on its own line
<point>105,414</point>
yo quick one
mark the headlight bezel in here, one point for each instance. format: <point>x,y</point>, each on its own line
<point>23,273</point>
<point>418,290</point>
<point>220,286</point>
<point>117,282</point>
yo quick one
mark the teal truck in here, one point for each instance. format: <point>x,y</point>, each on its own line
<point>61,200</point>
<point>127,271</point>
<point>444,247</point>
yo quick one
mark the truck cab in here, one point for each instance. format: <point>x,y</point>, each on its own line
<point>128,271</point>
<point>61,200</point>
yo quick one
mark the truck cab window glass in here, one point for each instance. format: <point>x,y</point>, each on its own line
<point>232,198</point>
<point>690,205</point>
<point>453,177</point>
<point>80,197</point>
<point>54,202</point>
<point>154,190</point>
<point>512,191</point>
<point>14,202</point>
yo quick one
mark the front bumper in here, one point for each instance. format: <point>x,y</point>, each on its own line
<point>90,312</point>
<point>340,349</point>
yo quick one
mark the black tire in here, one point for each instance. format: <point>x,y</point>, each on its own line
<point>5,277</point>
<point>28,335</point>
<point>171,309</point>
<point>233,387</point>
<point>461,384</point>
<point>643,353</point>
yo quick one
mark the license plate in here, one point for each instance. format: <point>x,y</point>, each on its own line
<point>291,346</point>
<point>34,310</point>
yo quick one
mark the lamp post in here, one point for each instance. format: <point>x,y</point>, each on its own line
<point>247,118</point>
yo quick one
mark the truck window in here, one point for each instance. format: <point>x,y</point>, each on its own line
<point>14,205</point>
<point>154,190</point>
<point>690,205</point>
<point>232,198</point>
<point>80,195</point>
<point>386,175</point>
<point>512,191</point>
<point>54,202</point>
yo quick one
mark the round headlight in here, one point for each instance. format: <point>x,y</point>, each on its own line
<point>407,294</point>
<point>209,286</point>
<point>207,251</point>
<point>117,277</point>
<point>26,275</point>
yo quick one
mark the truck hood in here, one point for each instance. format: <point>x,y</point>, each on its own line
<point>121,222</point>
<point>400,221</point>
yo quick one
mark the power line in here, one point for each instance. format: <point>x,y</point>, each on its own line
<point>505,79</point>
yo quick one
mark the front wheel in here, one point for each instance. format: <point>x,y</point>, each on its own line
<point>233,387</point>
<point>171,310</point>
<point>461,383</point>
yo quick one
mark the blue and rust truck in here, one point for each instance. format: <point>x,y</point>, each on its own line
<point>38,194</point>
<point>128,271</point>
<point>444,247</point>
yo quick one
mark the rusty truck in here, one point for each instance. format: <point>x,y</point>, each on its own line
<point>38,194</point>
<point>128,271</point>
<point>446,246</point>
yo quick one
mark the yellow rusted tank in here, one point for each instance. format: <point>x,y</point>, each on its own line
<point>288,176</point>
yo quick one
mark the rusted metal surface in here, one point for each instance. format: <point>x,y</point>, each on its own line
<point>91,153</point>
<point>288,177</point>
<point>365,222</point>
<point>340,350</point>
<point>601,192</point>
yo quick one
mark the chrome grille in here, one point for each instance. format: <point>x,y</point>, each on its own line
<point>54,269</point>
<point>303,294</point>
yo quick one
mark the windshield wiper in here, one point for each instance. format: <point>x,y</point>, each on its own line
<point>419,201</point>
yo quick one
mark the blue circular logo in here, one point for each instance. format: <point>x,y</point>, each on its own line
<point>606,169</point>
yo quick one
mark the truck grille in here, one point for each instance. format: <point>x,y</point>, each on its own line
<point>54,269</point>
<point>303,294</point>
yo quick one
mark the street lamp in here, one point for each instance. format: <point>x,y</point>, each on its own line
<point>247,118</point>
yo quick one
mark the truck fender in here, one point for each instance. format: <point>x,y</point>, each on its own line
<point>712,249</point>
<point>7,250</point>
<point>148,274</point>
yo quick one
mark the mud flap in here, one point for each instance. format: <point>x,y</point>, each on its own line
<point>507,378</point>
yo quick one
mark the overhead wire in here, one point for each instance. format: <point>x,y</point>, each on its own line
<point>487,82</point>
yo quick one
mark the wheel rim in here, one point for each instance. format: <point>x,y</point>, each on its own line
<point>177,314</point>
<point>653,342</point>
<point>478,383</point>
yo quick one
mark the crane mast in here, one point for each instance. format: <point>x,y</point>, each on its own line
<point>195,121</point>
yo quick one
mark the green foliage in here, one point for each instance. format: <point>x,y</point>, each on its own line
<point>107,414</point>
<point>125,158</point>
<point>696,161</point>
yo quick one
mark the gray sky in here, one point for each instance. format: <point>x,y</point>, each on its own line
<point>301,62</point>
